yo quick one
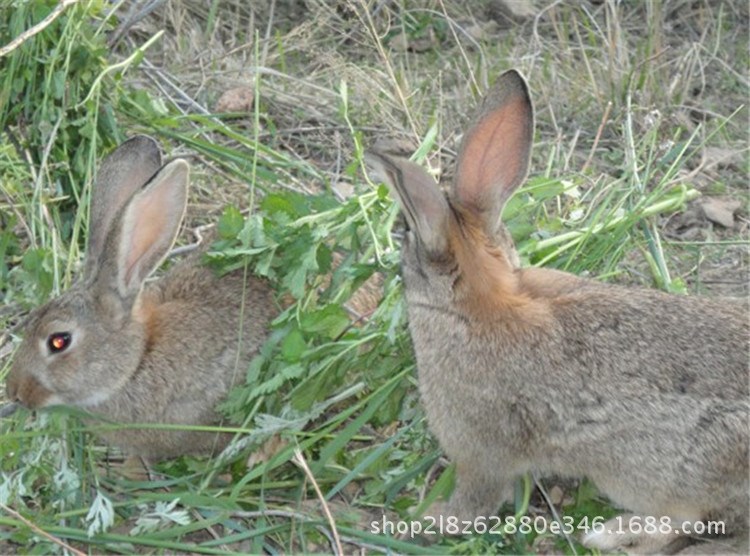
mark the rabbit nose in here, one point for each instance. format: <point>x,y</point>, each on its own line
<point>27,391</point>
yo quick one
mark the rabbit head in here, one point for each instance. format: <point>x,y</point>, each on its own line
<point>461,234</point>
<point>83,346</point>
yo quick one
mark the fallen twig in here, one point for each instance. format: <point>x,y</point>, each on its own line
<point>299,459</point>
<point>28,33</point>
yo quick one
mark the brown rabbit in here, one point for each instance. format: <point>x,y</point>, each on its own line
<point>164,352</point>
<point>530,369</point>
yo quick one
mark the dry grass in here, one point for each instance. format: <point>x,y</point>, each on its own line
<point>605,78</point>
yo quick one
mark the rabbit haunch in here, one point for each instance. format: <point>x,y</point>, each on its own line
<point>532,369</point>
<point>163,352</point>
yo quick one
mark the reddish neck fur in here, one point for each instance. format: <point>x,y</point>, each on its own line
<point>490,289</point>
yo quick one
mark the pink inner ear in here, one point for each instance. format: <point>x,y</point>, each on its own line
<point>150,223</point>
<point>494,156</point>
<point>152,220</point>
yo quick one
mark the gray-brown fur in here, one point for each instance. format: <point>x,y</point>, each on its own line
<point>163,353</point>
<point>538,370</point>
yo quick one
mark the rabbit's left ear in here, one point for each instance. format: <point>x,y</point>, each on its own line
<point>126,170</point>
<point>494,155</point>
<point>422,203</point>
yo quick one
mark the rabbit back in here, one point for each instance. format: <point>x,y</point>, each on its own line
<point>596,367</point>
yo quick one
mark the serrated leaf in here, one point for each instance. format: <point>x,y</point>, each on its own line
<point>293,346</point>
<point>296,280</point>
<point>101,515</point>
<point>329,321</point>
<point>275,383</point>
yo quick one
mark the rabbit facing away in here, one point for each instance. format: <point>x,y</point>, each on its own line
<point>532,369</point>
<point>163,352</point>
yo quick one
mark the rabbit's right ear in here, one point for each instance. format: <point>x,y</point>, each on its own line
<point>126,170</point>
<point>494,155</point>
<point>423,204</point>
<point>142,234</point>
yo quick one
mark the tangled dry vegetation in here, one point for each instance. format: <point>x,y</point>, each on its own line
<point>611,84</point>
<point>639,175</point>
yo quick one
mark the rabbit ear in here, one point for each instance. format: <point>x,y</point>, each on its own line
<point>494,155</point>
<point>126,170</point>
<point>424,206</point>
<point>141,236</point>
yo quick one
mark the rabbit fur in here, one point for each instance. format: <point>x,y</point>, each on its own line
<point>161,352</point>
<point>532,369</point>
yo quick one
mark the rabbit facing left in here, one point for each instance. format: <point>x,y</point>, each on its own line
<point>132,352</point>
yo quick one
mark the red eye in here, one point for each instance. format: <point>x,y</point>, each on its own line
<point>58,341</point>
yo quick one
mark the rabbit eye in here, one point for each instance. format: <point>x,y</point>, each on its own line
<point>58,341</point>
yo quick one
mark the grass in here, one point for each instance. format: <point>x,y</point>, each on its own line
<point>627,118</point>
